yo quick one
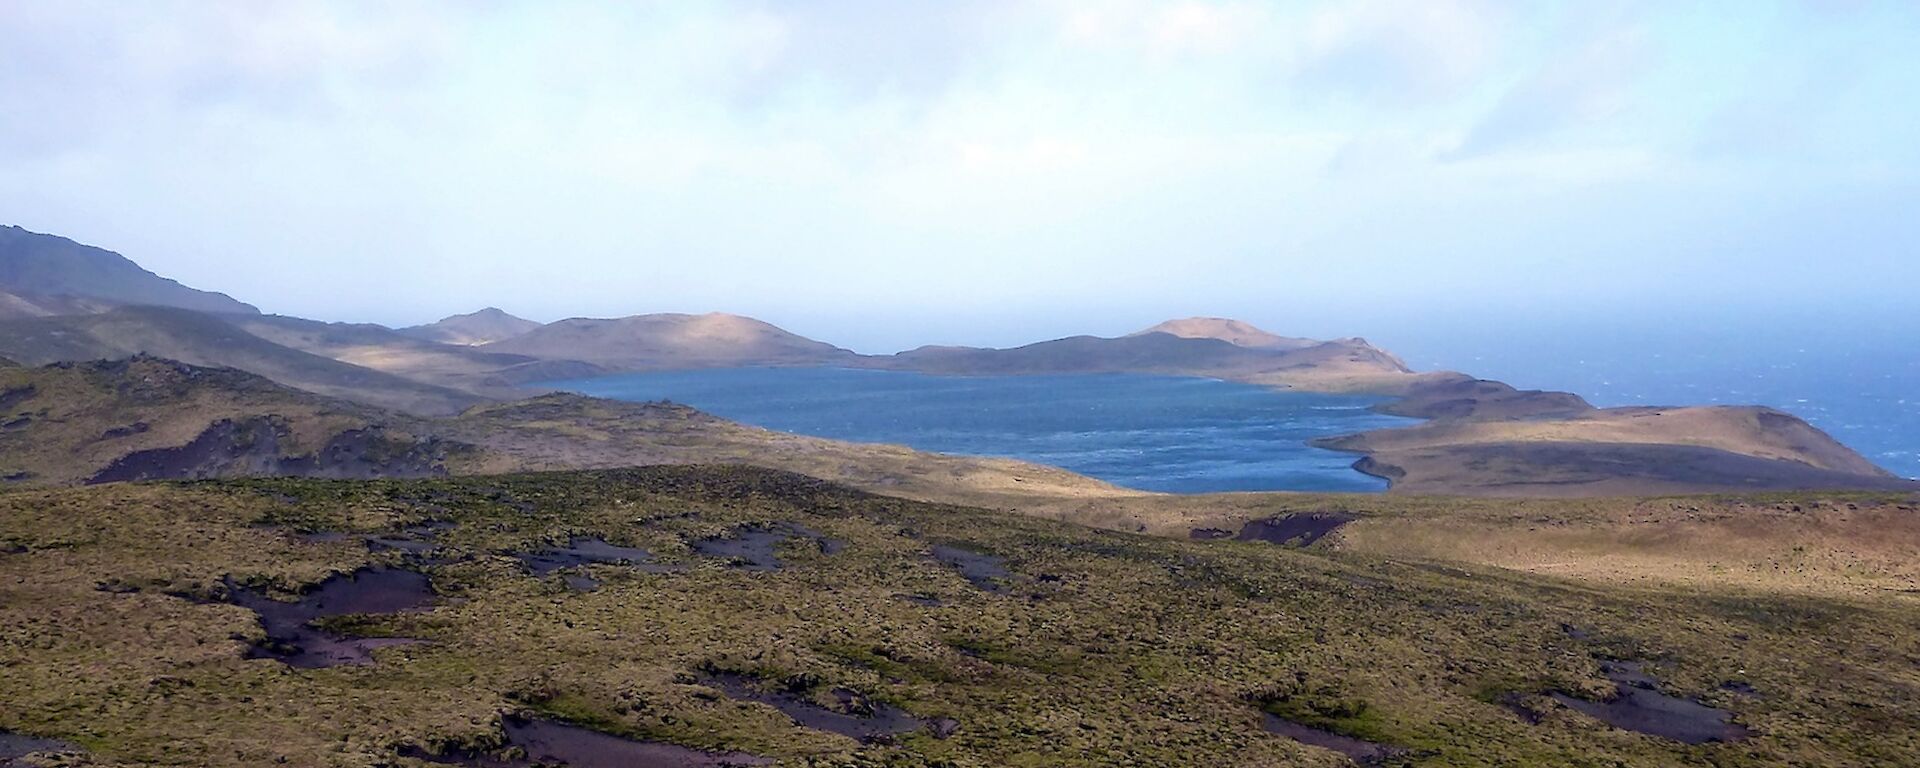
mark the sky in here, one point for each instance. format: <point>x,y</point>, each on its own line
<point>884,174</point>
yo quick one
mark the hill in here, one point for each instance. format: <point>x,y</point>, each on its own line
<point>668,341</point>
<point>44,275</point>
<point>473,328</point>
<point>466,368</point>
<point>149,418</point>
<point>1156,353</point>
<point>1236,332</point>
<point>207,340</point>
<point>1615,451</point>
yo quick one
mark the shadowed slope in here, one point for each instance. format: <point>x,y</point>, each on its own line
<point>467,368</point>
<point>48,275</point>
<point>206,340</point>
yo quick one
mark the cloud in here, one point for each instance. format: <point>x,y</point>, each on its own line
<point>1588,81</point>
<point>1400,51</point>
<point>621,156</point>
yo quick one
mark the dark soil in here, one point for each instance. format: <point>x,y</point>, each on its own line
<point>251,447</point>
<point>1299,529</point>
<point>753,548</point>
<point>1641,707</point>
<point>581,551</point>
<point>14,745</point>
<point>854,716</point>
<point>988,572</point>
<point>291,636</point>
<point>1359,750</point>
<point>548,743</point>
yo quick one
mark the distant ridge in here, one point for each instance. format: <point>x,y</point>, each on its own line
<point>43,275</point>
<point>472,329</point>
<point>664,341</point>
<point>1235,332</point>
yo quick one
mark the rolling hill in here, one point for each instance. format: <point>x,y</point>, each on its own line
<point>463,367</point>
<point>207,340</point>
<point>151,418</point>
<point>474,328</point>
<point>667,341</point>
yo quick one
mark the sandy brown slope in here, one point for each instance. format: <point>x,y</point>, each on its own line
<point>667,341</point>
<point>1614,451</point>
<point>103,420</point>
<point>487,325</point>
<point>1235,332</point>
<point>490,374</point>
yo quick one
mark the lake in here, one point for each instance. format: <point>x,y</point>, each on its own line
<point>1157,433</point>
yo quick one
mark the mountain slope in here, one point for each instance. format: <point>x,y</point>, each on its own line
<point>205,340</point>
<point>47,275</point>
<point>465,368</point>
<point>665,341</point>
<point>473,328</point>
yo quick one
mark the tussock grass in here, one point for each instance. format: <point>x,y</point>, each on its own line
<point>1105,648</point>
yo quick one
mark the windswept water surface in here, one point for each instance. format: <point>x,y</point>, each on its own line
<point>1157,433</point>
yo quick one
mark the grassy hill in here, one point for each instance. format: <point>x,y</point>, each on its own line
<point>78,422</point>
<point>945,636</point>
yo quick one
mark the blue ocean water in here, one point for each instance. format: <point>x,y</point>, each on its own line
<point>1159,433</point>
<point>1860,382</point>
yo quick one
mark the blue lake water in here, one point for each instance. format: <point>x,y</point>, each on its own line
<point>1159,433</point>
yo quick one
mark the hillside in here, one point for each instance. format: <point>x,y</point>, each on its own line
<point>146,418</point>
<point>668,341</point>
<point>50,275</point>
<point>734,616</point>
<point>474,328</point>
<point>466,368</point>
<point>1615,451</point>
<point>207,340</point>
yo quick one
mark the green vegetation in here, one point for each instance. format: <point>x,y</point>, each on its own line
<point>1105,648</point>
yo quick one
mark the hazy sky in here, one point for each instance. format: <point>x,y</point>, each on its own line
<point>882,174</point>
